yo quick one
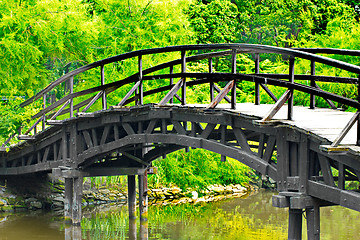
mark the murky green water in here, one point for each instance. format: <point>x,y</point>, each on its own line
<point>249,218</point>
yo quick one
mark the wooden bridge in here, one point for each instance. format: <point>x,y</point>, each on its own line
<point>312,153</point>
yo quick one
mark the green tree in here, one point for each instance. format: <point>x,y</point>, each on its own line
<point>214,22</point>
<point>38,37</point>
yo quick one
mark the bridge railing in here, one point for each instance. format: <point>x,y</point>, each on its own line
<point>67,104</point>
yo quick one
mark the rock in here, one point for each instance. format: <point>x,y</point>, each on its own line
<point>175,191</point>
<point>194,195</point>
<point>58,204</point>
<point>30,200</point>
<point>36,205</point>
<point>59,199</point>
<point>104,191</point>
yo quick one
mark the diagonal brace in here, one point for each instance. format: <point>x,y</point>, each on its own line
<point>346,129</point>
<point>172,92</point>
<point>221,95</point>
<point>95,98</point>
<point>132,90</point>
<point>277,106</point>
<point>132,157</point>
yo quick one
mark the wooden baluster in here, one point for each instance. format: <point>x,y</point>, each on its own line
<point>257,85</point>
<point>183,70</point>
<point>71,85</point>
<point>358,119</point>
<point>312,84</point>
<point>233,70</point>
<point>104,100</point>
<point>141,92</point>
<point>291,79</point>
<point>171,81</point>
<point>211,83</point>
<point>44,116</point>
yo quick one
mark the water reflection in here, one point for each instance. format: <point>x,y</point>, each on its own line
<point>249,218</point>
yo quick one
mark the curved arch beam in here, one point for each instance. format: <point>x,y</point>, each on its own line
<point>249,159</point>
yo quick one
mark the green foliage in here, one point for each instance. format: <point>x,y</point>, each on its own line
<point>198,169</point>
<point>35,35</point>
<point>214,22</point>
<point>12,117</point>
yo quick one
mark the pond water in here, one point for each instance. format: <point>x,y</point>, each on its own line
<point>252,217</point>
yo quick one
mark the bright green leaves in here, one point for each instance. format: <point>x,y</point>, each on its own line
<point>215,22</point>
<point>33,36</point>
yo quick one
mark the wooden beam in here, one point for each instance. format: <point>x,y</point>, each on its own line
<point>346,129</point>
<point>221,95</point>
<point>132,90</point>
<point>172,92</point>
<point>277,106</point>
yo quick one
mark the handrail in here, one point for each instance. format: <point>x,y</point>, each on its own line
<point>260,79</point>
<point>247,48</point>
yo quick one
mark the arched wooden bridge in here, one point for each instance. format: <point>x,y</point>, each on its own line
<point>311,153</point>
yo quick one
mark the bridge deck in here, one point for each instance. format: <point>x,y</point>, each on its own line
<point>323,122</point>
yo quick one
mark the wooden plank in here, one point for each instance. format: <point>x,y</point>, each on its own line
<point>326,170</point>
<point>172,92</point>
<point>178,127</point>
<point>221,95</point>
<point>241,139</point>
<point>127,127</point>
<point>270,147</point>
<point>46,154</point>
<point>87,138</point>
<point>277,106</point>
<point>207,131</point>
<point>105,134</point>
<point>132,90</point>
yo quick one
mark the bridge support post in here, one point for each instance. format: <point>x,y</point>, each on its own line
<point>73,200</point>
<point>313,222</point>
<point>77,200</point>
<point>144,230</point>
<point>295,224</point>
<point>68,200</point>
<point>143,197</point>
<point>132,229</point>
<point>132,196</point>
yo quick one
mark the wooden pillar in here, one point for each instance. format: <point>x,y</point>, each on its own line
<point>132,229</point>
<point>68,230</point>
<point>77,200</point>
<point>141,91</point>
<point>291,80</point>
<point>183,70</point>
<point>76,233</point>
<point>171,82</point>
<point>132,196</point>
<point>312,84</point>
<point>44,115</point>
<point>68,200</point>
<point>71,86</point>
<point>313,222</point>
<point>144,230</point>
<point>233,70</point>
<point>257,85</point>
<point>358,120</point>
<point>295,224</point>
<point>143,197</point>
<point>104,102</point>
<point>211,83</point>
